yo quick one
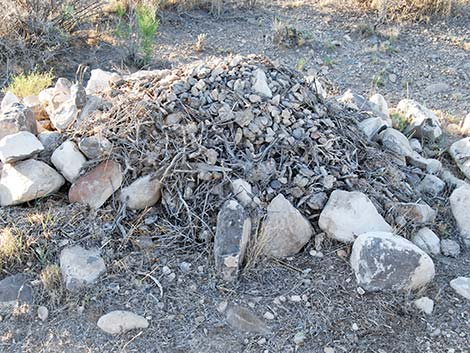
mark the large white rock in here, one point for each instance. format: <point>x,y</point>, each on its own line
<point>460,152</point>
<point>143,192</point>
<point>242,191</point>
<point>431,185</point>
<point>285,231</point>
<point>68,160</point>
<point>120,321</point>
<point>462,286</point>
<point>19,146</point>
<point>231,238</point>
<point>428,241</point>
<point>100,81</point>
<point>80,267</point>
<point>349,214</point>
<point>64,115</point>
<point>384,261</point>
<point>260,84</point>
<point>422,121</point>
<point>460,206</point>
<point>27,180</point>
<point>394,141</point>
<point>8,100</point>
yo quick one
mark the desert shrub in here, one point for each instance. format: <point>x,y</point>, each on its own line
<point>23,85</point>
<point>398,10</point>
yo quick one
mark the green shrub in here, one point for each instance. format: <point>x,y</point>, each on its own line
<point>31,84</point>
<point>148,26</point>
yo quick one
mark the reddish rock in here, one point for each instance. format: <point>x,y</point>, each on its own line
<point>95,187</point>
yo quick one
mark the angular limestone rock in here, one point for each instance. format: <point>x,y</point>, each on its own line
<point>119,321</point>
<point>64,116</point>
<point>422,121</point>
<point>431,185</point>
<point>27,180</point>
<point>428,241</point>
<point>142,193</point>
<point>285,231</point>
<point>8,100</point>
<point>394,141</point>
<point>95,187</point>
<point>242,191</point>
<point>460,152</point>
<point>231,238</point>
<point>460,206</point>
<point>380,103</point>
<point>100,81</point>
<point>384,261</point>
<point>260,84</point>
<point>68,160</point>
<point>416,212</point>
<point>462,286</point>
<point>80,267</point>
<point>349,214</point>
<point>19,146</point>
<point>17,118</point>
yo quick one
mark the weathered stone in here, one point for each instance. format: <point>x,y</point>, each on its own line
<point>100,81</point>
<point>64,116</point>
<point>95,187</point>
<point>63,85</point>
<point>142,193</point>
<point>460,206</point>
<point>384,261</point>
<point>349,214</point>
<point>17,118</point>
<point>394,141</point>
<point>416,145</point>
<point>422,121</point>
<point>15,290</point>
<point>244,320</point>
<point>80,267</point>
<point>465,127</point>
<point>50,140</point>
<point>19,146</point>
<point>95,146</point>
<point>93,105</point>
<point>451,180</point>
<point>260,84</point>
<point>416,212</point>
<point>8,100</point>
<point>450,248</point>
<point>231,238</point>
<point>431,185</point>
<point>430,165</point>
<point>380,103</point>
<point>242,191</point>
<point>462,286</point>
<point>174,118</point>
<point>428,241</point>
<point>358,102</point>
<point>119,321</point>
<point>43,313</point>
<point>425,304</point>
<point>285,231</point>
<point>27,180</point>
<point>460,152</point>
<point>372,127</point>
<point>317,201</point>
<point>68,160</point>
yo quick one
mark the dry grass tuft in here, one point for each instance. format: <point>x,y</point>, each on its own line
<point>51,280</point>
<point>11,247</point>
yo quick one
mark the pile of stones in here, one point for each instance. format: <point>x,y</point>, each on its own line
<point>226,147</point>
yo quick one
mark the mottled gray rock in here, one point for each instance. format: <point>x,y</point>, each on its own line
<point>94,147</point>
<point>349,214</point>
<point>231,238</point>
<point>97,186</point>
<point>80,267</point>
<point>285,231</point>
<point>431,185</point>
<point>384,261</point>
<point>422,121</point>
<point>43,313</point>
<point>317,201</point>
<point>260,84</point>
<point>465,128</point>
<point>119,321</point>
<point>460,206</point>
<point>416,145</point>
<point>394,141</point>
<point>17,118</point>
<point>50,140</point>
<point>141,193</point>
<point>100,81</point>
<point>244,320</point>
<point>428,241</point>
<point>462,286</point>
<point>425,304</point>
<point>450,248</point>
<point>64,116</point>
<point>460,152</point>
<point>242,191</point>
<point>27,180</point>
<point>78,95</point>
<point>430,165</point>
<point>15,290</point>
<point>372,127</point>
<point>19,146</point>
<point>358,102</point>
<point>68,160</point>
<point>416,212</point>
<point>379,103</point>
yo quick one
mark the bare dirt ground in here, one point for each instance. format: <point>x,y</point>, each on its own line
<point>430,63</point>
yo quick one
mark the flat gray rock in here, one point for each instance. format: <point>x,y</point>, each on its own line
<point>428,241</point>
<point>14,291</point>
<point>17,117</point>
<point>19,146</point>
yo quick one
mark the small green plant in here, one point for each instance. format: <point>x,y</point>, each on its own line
<point>378,79</point>
<point>31,84</point>
<point>399,122</point>
<point>300,64</point>
<point>147,23</point>
<point>328,61</point>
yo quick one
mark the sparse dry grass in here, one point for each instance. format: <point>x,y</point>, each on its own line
<point>11,247</point>
<point>51,281</point>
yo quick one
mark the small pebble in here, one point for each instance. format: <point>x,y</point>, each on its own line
<point>268,315</point>
<point>43,313</point>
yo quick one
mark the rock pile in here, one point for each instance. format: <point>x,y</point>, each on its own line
<point>232,143</point>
